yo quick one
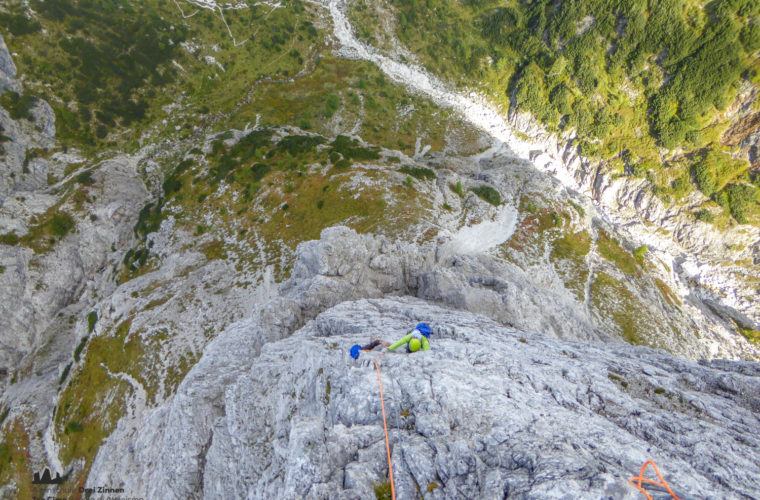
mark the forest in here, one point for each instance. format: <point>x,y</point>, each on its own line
<point>640,83</point>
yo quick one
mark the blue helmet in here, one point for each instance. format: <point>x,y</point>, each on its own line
<point>424,329</point>
<point>355,351</point>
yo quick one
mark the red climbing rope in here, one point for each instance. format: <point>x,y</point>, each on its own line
<point>641,478</point>
<point>385,426</point>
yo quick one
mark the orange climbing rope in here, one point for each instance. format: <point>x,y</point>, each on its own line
<point>641,478</point>
<point>385,426</point>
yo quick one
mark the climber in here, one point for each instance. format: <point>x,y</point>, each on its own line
<point>415,339</point>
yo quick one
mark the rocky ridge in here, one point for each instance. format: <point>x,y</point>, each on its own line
<point>277,408</point>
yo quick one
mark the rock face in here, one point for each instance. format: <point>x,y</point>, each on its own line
<point>276,408</point>
<point>7,69</point>
<point>36,286</point>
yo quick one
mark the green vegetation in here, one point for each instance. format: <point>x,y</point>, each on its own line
<point>107,67</point>
<point>670,297</point>
<point>80,347</point>
<point>704,216</point>
<point>628,77</point>
<point>639,254</point>
<point>292,103</point>
<point>751,335</point>
<point>618,379</point>
<point>610,249</point>
<point>86,178</point>
<point>383,490</point>
<point>92,318</point>
<point>9,239</point>
<point>64,374</point>
<point>18,106</point>
<point>489,194</point>
<point>95,398</point>
<point>15,461</point>
<point>578,208</point>
<point>42,235</point>
<point>621,310</point>
<point>572,248</point>
<point>457,188</point>
<point>419,172</point>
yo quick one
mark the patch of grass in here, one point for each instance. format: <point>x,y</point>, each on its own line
<point>488,194</point>
<point>571,249</point>
<point>214,250</point>
<point>621,311</point>
<point>289,103</point>
<point>618,379</point>
<point>610,249</point>
<point>573,246</point>
<point>61,224</point>
<point>9,239</point>
<point>432,486</point>
<point>639,254</point>
<point>15,460</point>
<point>93,398</point>
<point>578,208</point>
<point>72,427</point>
<point>383,490</point>
<point>752,335</point>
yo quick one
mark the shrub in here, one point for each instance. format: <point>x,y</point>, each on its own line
<point>704,216</point>
<point>739,196</point>
<point>80,346</point>
<point>488,194</point>
<point>704,178</point>
<point>64,374</point>
<point>640,252</point>
<point>86,178</point>
<point>17,105</point>
<point>457,188</point>
<point>418,172</point>
<point>61,224</point>
<point>73,427</point>
<point>92,318</point>
<point>297,144</point>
